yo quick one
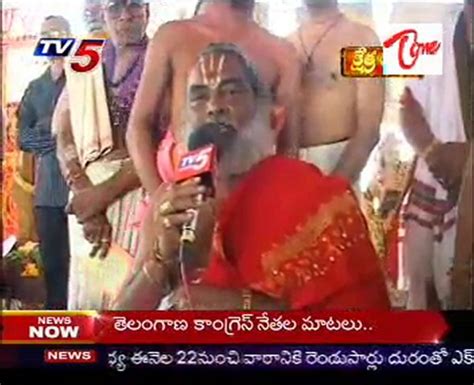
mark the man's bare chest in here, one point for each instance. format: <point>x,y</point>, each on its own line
<point>321,59</point>
<point>324,72</point>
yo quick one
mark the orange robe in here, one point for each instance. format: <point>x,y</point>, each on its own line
<point>298,236</point>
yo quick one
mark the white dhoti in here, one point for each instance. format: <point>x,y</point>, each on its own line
<point>93,282</point>
<point>428,260</point>
<point>325,156</point>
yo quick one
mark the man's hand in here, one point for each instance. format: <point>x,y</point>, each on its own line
<point>447,164</point>
<point>207,298</point>
<point>170,203</point>
<point>414,125</point>
<point>98,231</point>
<point>369,105</point>
<point>89,202</point>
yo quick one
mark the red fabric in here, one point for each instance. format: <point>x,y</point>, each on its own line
<point>292,233</point>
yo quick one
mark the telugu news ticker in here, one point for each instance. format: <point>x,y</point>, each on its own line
<point>320,357</point>
<point>233,338</point>
<point>314,357</point>
<point>407,50</point>
<point>221,328</point>
<point>360,358</point>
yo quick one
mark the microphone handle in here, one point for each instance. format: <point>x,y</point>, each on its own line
<point>188,234</point>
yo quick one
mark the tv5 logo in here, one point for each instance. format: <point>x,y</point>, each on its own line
<point>198,160</point>
<point>196,163</point>
<point>86,56</point>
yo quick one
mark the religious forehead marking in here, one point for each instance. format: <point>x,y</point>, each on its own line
<point>212,74</point>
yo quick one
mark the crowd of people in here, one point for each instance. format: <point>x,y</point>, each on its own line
<point>282,228</point>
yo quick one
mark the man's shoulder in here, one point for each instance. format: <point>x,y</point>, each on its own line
<point>294,37</point>
<point>361,32</point>
<point>177,32</point>
<point>39,80</point>
<point>350,31</point>
<point>277,42</point>
<point>177,26</point>
<point>35,84</point>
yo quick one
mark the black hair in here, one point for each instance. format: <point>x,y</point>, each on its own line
<point>239,4</point>
<point>243,4</point>
<point>250,72</point>
<point>51,17</point>
<point>316,3</point>
<point>58,17</point>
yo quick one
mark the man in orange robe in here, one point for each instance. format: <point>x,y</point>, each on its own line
<point>285,236</point>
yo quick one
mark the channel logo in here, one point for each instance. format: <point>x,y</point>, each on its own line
<point>84,59</point>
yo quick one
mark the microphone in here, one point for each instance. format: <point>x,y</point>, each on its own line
<point>200,161</point>
<point>205,145</point>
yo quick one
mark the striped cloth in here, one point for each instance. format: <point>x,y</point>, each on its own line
<point>93,282</point>
<point>430,211</point>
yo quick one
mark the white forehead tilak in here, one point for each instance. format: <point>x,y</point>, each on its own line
<point>211,75</point>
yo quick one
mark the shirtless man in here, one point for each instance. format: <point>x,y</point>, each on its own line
<point>172,53</point>
<point>341,116</point>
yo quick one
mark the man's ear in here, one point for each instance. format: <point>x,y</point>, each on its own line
<point>102,16</point>
<point>278,118</point>
<point>147,11</point>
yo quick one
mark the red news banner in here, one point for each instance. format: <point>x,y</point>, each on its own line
<point>204,328</point>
